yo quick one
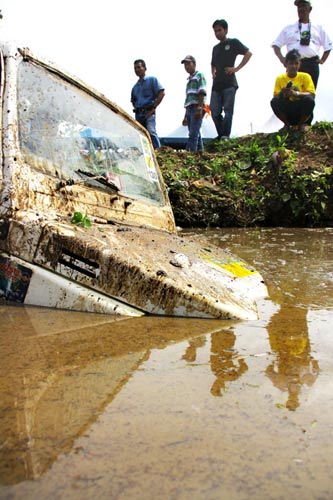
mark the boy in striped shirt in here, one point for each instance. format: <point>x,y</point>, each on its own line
<point>194,104</point>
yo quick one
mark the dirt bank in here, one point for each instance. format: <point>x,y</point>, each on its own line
<point>255,180</point>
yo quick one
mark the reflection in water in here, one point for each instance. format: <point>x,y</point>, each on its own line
<point>93,406</point>
<point>225,363</point>
<point>190,354</point>
<point>298,273</point>
<point>52,388</point>
<point>57,377</point>
<point>294,366</point>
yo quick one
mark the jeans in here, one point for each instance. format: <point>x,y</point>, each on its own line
<point>194,125</point>
<point>223,101</point>
<point>150,125</point>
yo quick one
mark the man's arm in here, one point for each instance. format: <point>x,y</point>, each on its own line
<point>247,56</point>
<point>278,53</point>
<point>159,98</point>
<point>157,101</point>
<point>298,93</point>
<point>307,86</point>
<point>133,99</point>
<point>199,111</point>
<point>324,56</point>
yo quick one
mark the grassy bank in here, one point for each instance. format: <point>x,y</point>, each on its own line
<point>260,179</point>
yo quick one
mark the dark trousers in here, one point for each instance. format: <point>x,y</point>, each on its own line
<point>311,66</point>
<point>293,112</point>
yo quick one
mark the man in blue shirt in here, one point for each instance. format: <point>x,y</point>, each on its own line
<point>146,95</point>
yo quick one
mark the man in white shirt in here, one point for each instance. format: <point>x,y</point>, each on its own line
<point>308,38</point>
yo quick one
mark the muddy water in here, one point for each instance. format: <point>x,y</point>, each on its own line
<point>159,408</point>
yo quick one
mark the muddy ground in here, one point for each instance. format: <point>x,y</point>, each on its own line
<point>254,180</point>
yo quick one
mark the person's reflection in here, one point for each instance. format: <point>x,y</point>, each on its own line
<point>225,363</point>
<point>190,354</point>
<point>294,366</point>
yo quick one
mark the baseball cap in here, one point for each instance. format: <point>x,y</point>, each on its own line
<point>297,2</point>
<point>189,59</point>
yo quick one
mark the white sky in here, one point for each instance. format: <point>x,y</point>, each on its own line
<point>98,41</point>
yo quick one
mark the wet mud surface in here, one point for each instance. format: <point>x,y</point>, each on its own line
<point>97,407</point>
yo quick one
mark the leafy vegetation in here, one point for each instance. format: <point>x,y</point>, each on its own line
<point>261,179</point>
<point>79,219</point>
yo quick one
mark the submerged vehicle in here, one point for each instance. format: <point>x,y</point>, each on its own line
<point>85,219</point>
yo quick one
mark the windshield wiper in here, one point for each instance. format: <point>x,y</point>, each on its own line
<point>91,177</point>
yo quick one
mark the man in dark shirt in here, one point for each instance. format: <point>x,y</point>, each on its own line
<point>224,78</point>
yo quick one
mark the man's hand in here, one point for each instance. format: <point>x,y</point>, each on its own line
<point>229,70</point>
<point>198,113</point>
<point>289,92</point>
<point>150,113</point>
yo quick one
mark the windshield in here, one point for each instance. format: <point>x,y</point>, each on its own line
<point>67,133</point>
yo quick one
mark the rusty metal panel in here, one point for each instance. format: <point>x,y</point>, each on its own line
<point>157,272</point>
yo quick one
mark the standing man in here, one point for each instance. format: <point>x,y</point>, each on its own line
<point>146,95</point>
<point>194,104</point>
<point>307,38</point>
<point>224,78</point>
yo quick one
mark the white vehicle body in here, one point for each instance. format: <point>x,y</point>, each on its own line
<point>70,159</point>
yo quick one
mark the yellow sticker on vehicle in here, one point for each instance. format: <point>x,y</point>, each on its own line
<point>237,268</point>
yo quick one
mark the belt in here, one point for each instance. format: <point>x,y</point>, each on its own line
<point>314,58</point>
<point>143,110</point>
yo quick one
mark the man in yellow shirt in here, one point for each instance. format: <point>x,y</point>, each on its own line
<point>294,94</point>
